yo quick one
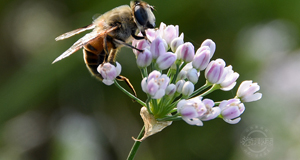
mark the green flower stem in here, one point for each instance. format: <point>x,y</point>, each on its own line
<point>170,118</point>
<point>144,72</point>
<point>207,84</point>
<point>217,103</point>
<point>182,65</point>
<point>147,104</point>
<point>136,145</point>
<point>176,74</point>
<point>213,88</point>
<point>154,106</point>
<point>129,94</point>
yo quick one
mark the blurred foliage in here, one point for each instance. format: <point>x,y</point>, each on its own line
<point>60,112</point>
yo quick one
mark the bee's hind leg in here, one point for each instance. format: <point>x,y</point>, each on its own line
<point>122,78</point>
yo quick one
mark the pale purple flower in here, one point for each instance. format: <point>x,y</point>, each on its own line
<point>151,34</point>
<point>211,44</point>
<point>155,84</point>
<point>166,60</point>
<point>187,89</point>
<point>185,52</point>
<point>158,47</point>
<point>109,72</point>
<point>211,111</point>
<point>215,72</point>
<point>231,110</point>
<point>201,58</point>
<point>176,42</point>
<point>230,79</point>
<point>140,44</point>
<point>170,32</point>
<point>144,59</point>
<point>191,110</point>
<point>246,91</point>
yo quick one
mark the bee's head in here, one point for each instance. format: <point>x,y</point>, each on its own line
<point>143,14</point>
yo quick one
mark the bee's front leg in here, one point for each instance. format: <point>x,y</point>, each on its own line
<point>122,78</point>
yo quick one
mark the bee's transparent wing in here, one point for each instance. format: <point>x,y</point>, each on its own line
<point>77,45</point>
<point>76,31</point>
<point>82,41</point>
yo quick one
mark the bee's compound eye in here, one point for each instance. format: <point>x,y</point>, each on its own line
<point>140,15</point>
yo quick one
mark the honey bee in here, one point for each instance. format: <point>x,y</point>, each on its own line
<point>111,31</point>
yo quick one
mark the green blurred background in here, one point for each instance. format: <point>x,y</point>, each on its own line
<point>60,112</point>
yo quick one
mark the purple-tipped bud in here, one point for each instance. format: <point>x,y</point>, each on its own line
<point>185,52</point>
<point>177,42</point>
<point>179,86</point>
<point>171,89</point>
<point>230,79</point>
<point>211,44</point>
<point>182,74</point>
<point>170,32</point>
<point>166,60</point>
<point>158,47</point>
<point>215,72</point>
<point>201,58</point>
<point>109,72</point>
<point>193,75</point>
<point>144,59</point>
<point>247,91</point>
<point>187,89</point>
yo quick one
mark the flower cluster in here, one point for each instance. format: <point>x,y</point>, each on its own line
<point>170,68</point>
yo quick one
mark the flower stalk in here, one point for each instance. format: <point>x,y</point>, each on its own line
<point>136,145</point>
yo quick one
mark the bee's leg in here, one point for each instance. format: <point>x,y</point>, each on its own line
<point>137,37</point>
<point>112,56</point>
<point>122,78</point>
<point>105,48</point>
<point>126,44</point>
<point>145,36</point>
